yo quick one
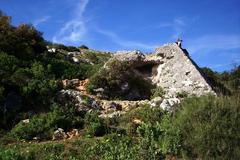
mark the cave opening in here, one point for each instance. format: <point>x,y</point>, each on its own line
<point>147,70</point>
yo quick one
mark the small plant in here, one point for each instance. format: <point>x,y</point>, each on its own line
<point>157,92</point>
<point>182,94</point>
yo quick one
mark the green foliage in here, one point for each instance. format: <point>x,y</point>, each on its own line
<point>95,57</point>
<point>210,127</point>
<point>63,47</point>
<point>10,154</point>
<point>145,113</point>
<point>114,147</point>
<point>216,81</point>
<point>83,47</point>
<point>32,152</point>
<point>43,125</point>
<point>8,64</point>
<point>182,94</point>
<point>94,125</point>
<point>114,77</point>
<point>157,92</point>
<point>23,41</point>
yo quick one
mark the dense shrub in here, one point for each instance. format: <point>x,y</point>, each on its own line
<point>23,41</point>
<point>33,151</point>
<point>94,125</point>
<point>43,125</point>
<point>10,154</point>
<point>120,82</point>
<point>209,127</point>
<point>113,147</point>
<point>216,81</point>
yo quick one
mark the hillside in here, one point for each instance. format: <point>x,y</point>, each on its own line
<point>67,102</point>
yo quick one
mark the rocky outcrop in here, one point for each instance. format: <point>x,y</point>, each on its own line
<point>179,73</point>
<point>169,67</point>
<point>80,101</point>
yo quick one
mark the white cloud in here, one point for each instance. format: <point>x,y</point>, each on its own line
<point>177,25</point>
<point>210,43</point>
<point>37,22</point>
<point>75,29</point>
<point>125,43</point>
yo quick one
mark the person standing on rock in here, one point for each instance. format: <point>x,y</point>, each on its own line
<point>179,42</point>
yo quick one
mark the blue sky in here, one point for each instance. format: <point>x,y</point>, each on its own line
<point>210,29</point>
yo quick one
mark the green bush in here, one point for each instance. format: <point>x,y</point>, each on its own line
<point>116,75</point>
<point>94,125</point>
<point>110,147</point>
<point>209,127</point>
<point>145,113</point>
<point>10,155</point>
<point>44,124</point>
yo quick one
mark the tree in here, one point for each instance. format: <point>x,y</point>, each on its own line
<point>23,41</point>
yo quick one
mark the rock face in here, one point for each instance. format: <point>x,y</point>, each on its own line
<point>178,73</point>
<point>171,68</point>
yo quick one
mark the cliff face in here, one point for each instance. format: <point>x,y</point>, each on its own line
<point>171,68</point>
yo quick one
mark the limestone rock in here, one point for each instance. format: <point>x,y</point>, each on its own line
<point>82,103</point>
<point>59,134</point>
<point>112,115</point>
<point>73,133</point>
<point>26,121</point>
<point>179,73</point>
<point>156,101</point>
<point>131,56</point>
<point>167,104</point>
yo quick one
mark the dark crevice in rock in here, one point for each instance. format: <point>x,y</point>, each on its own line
<point>147,70</point>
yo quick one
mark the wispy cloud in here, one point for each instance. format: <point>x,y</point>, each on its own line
<point>177,25</point>
<point>75,29</point>
<point>210,43</point>
<point>124,42</point>
<point>39,21</point>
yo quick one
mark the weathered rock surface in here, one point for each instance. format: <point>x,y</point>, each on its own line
<point>168,104</point>
<point>59,134</point>
<point>82,102</point>
<point>169,67</point>
<point>179,73</point>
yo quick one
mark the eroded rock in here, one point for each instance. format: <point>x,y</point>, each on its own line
<point>59,134</point>
<point>168,104</point>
